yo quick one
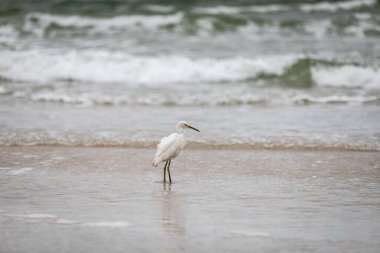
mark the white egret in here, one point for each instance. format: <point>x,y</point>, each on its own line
<point>170,147</point>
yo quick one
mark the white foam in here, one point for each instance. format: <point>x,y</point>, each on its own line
<point>227,97</point>
<point>19,171</point>
<point>65,222</point>
<point>159,8</point>
<point>107,67</point>
<point>39,22</point>
<point>334,99</point>
<point>103,66</point>
<point>70,99</point>
<point>8,34</point>
<point>33,216</point>
<point>257,31</point>
<point>8,30</point>
<point>221,9</point>
<point>319,28</point>
<point>115,224</point>
<point>362,16</point>
<point>347,76</point>
<point>5,168</point>
<point>40,216</point>
<point>268,8</point>
<point>232,10</point>
<point>361,27</point>
<point>335,6</point>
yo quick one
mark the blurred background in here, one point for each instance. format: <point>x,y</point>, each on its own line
<point>254,73</point>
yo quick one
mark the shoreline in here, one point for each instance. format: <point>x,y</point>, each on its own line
<point>211,146</point>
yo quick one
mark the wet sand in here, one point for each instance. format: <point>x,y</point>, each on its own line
<point>61,199</point>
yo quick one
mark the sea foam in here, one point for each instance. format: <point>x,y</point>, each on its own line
<point>38,22</point>
<point>103,66</point>
<point>335,6</point>
<point>19,171</point>
<point>347,76</point>
<point>212,98</point>
<point>33,216</point>
<point>8,34</point>
<point>205,21</point>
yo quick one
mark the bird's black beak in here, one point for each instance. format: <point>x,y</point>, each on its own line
<point>192,127</point>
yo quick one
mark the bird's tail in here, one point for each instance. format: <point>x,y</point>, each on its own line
<point>155,162</point>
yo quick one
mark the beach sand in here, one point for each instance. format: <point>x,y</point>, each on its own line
<point>80,199</point>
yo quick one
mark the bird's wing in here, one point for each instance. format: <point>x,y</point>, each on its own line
<point>168,146</point>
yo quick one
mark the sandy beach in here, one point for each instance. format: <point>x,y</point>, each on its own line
<point>82,199</point>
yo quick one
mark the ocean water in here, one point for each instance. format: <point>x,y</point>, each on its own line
<point>292,74</point>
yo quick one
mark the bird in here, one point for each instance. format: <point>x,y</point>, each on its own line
<point>170,147</point>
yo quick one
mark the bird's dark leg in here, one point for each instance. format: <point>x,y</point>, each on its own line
<point>165,171</point>
<point>170,179</point>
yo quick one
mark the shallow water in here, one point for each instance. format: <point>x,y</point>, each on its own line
<point>111,199</point>
<point>324,127</point>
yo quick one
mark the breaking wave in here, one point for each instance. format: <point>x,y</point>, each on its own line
<point>102,66</point>
<point>206,21</point>
<point>93,66</point>
<point>39,23</point>
<point>336,6</point>
<point>347,76</point>
<point>273,8</point>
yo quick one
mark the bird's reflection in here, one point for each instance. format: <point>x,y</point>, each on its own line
<point>173,219</point>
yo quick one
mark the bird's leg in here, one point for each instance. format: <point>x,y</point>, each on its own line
<point>170,179</point>
<point>165,171</point>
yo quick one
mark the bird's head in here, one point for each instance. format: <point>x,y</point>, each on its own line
<point>183,125</point>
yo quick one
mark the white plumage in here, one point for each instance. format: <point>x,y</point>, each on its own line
<point>171,146</point>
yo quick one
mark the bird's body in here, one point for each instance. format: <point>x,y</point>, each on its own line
<point>170,147</point>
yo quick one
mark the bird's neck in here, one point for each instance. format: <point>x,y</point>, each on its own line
<point>181,130</point>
